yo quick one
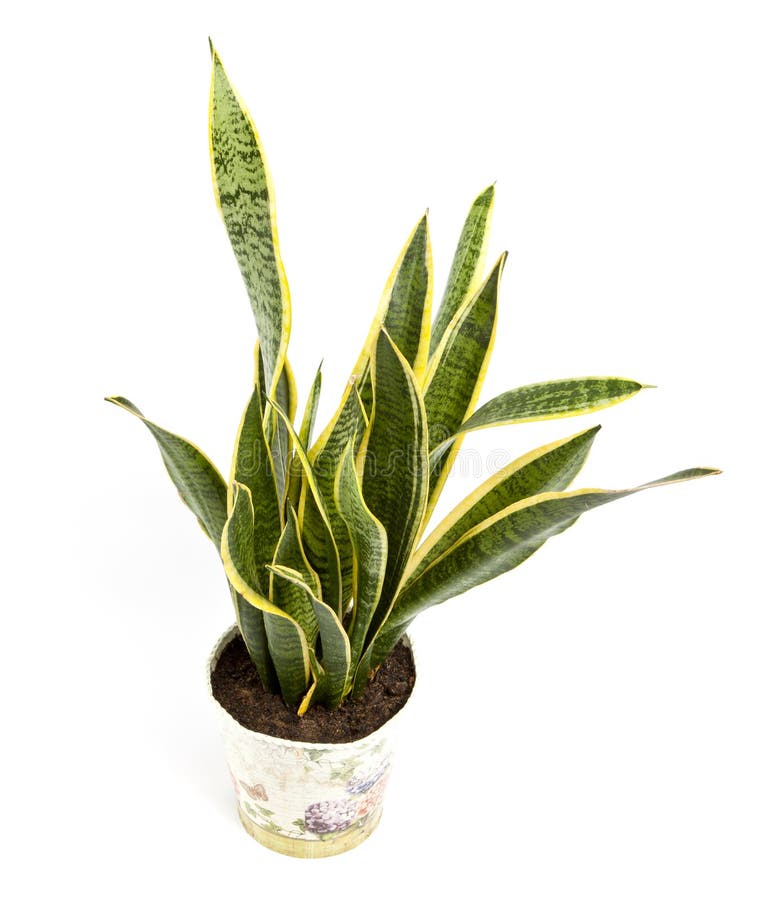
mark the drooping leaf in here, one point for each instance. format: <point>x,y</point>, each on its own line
<point>286,640</point>
<point>549,468</point>
<point>545,400</point>
<point>467,264</point>
<point>334,663</point>
<point>395,466</point>
<point>369,546</point>
<point>253,466</point>
<point>495,546</point>
<point>286,595</point>
<point>244,194</point>
<point>197,480</point>
<point>456,375</point>
<point>326,561</point>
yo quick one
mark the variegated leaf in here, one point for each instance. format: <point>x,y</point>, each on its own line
<point>197,480</point>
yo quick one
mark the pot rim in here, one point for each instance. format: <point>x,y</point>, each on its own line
<point>231,632</point>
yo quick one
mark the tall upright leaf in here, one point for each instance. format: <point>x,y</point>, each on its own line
<point>456,376</point>
<point>244,194</point>
<point>197,480</point>
<point>404,310</point>
<point>286,640</point>
<point>326,560</point>
<point>252,465</point>
<point>395,468</point>
<point>294,485</point>
<point>370,548</point>
<point>467,264</point>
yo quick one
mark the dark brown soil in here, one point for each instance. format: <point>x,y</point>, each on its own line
<point>237,688</point>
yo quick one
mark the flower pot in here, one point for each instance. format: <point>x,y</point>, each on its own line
<point>305,799</point>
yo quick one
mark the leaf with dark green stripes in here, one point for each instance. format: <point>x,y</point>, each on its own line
<point>546,400</point>
<point>252,465</point>
<point>455,377</point>
<point>369,546</point>
<point>245,198</point>
<point>335,646</point>
<point>467,264</point>
<point>252,628</point>
<point>495,546</point>
<point>286,640</point>
<point>294,485</point>
<point>326,562</point>
<point>281,446</point>
<point>197,480</point>
<point>286,595</point>
<point>395,466</point>
<point>404,311</point>
<point>407,320</point>
<point>350,427</point>
<point>549,468</point>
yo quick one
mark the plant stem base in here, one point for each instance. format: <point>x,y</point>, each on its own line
<point>309,849</point>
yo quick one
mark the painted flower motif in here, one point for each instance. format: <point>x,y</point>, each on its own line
<point>360,783</point>
<point>329,816</point>
<point>256,791</point>
<point>371,799</point>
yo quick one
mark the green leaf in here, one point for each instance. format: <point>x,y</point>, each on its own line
<point>335,659</point>
<point>545,400</point>
<point>467,264</point>
<point>407,320</point>
<point>395,467</point>
<point>350,426</point>
<point>286,595</point>
<point>197,480</point>
<point>252,628</point>
<point>326,560</point>
<point>281,446</point>
<point>496,545</point>
<point>404,311</point>
<point>253,466</point>
<point>369,545</point>
<point>286,640</point>
<point>244,194</point>
<point>549,468</point>
<point>295,483</point>
<point>455,378</point>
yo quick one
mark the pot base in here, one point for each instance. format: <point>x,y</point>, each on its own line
<point>314,849</point>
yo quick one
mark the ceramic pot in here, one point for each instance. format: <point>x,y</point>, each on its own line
<point>303,799</point>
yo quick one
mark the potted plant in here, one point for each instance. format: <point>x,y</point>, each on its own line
<point>322,539</point>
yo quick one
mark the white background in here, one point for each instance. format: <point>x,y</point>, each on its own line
<point>583,727</point>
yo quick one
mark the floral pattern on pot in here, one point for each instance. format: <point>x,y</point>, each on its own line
<point>311,792</point>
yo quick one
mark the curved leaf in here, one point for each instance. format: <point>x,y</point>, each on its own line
<point>549,468</point>
<point>197,480</point>
<point>545,400</point>
<point>495,546</point>
<point>252,465</point>
<point>369,546</point>
<point>244,194</point>
<point>286,595</point>
<point>286,640</point>
<point>326,562</point>
<point>395,467</point>
<point>332,682</point>
<point>467,264</point>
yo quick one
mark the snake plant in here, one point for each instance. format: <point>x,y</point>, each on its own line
<point>321,539</point>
